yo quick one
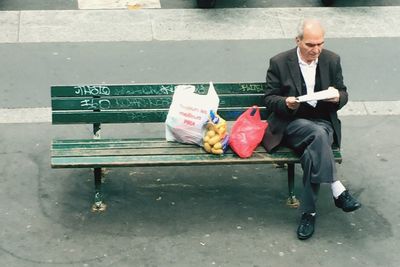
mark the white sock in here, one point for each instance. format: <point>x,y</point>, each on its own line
<point>337,189</point>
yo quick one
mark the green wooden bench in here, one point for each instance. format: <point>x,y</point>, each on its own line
<point>142,103</point>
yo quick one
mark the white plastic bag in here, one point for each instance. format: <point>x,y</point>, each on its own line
<point>188,114</point>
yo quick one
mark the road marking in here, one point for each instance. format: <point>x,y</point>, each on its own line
<point>353,108</point>
<point>118,4</point>
<point>149,24</point>
<point>25,115</point>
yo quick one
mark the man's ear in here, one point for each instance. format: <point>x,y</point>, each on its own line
<point>297,40</point>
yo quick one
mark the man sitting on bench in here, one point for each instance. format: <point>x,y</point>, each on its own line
<point>310,128</point>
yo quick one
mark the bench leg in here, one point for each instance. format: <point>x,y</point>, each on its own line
<point>292,200</point>
<point>98,196</point>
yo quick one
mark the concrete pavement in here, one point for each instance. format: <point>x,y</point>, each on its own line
<point>33,67</point>
<point>192,24</point>
<point>209,216</point>
<point>173,4</point>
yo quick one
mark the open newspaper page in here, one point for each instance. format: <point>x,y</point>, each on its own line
<point>321,95</point>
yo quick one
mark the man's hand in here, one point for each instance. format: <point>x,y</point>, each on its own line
<point>292,103</point>
<point>335,99</point>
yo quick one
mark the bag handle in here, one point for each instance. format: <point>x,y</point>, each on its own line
<point>253,113</point>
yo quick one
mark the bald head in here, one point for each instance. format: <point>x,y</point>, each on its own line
<point>308,26</point>
<point>310,39</point>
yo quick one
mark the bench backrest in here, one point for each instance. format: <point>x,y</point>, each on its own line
<point>142,102</point>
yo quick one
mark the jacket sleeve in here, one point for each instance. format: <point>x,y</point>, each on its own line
<point>339,84</point>
<point>275,93</point>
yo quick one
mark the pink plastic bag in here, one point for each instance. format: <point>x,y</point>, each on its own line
<point>247,132</point>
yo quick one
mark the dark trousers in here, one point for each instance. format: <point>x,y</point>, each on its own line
<point>312,139</point>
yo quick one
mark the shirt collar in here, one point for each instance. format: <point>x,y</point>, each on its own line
<point>302,62</point>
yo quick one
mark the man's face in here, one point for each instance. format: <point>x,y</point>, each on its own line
<point>311,45</point>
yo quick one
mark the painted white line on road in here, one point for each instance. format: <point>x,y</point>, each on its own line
<point>25,115</point>
<point>118,4</point>
<point>383,107</point>
<point>357,108</point>
<point>143,24</point>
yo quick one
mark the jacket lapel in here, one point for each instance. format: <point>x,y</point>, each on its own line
<point>294,69</point>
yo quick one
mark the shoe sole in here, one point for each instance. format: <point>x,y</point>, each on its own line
<point>353,209</point>
<point>304,237</point>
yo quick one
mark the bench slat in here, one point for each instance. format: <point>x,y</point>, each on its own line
<point>191,150</point>
<point>153,152</point>
<point>166,160</point>
<point>115,143</point>
<point>126,151</point>
<point>106,103</point>
<point>130,116</point>
<point>144,102</point>
<point>124,143</point>
<point>122,116</point>
<point>136,142</point>
<point>151,89</point>
<point>162,160</point>
<point>88,147</point>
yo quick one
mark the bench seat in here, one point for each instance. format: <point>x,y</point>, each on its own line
<point>101,105</point>
<point>93,153</point>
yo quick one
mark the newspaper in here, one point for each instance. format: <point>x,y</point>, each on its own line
<point>321,95</point>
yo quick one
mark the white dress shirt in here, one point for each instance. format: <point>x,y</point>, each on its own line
<point>308,71</point>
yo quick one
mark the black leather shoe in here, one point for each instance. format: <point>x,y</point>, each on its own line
<point>346,202</point>
<point>306,226</point>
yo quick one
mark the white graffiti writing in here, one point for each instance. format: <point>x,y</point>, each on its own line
<point>92,90</point>
<point>94,104</point>
<point>201,89</point>
<point>145,90</point>
<point>143,103</point>
<point>166,89</point>
<point>141,116</point>
<point>251,88</point>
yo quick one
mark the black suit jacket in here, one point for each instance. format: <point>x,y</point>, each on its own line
<point>284,79</point>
